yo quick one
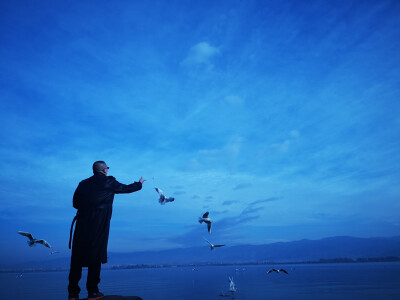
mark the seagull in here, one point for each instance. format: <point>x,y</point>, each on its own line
<point>206,220</point>
<point>277,271</point>
<point>212,246</point>
<point>162,198</point>
<point>32,241</point>
<point>54,252</point>
<point>232,286</point>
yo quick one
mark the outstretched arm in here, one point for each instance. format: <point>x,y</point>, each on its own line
<point>120,188</point>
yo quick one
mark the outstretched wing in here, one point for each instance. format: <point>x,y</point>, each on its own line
<point>219,245</point>
<point>272,270</point>
<point>43,242</point>
<point>209,227</point>
<point>159,191</point>
<point>283,270</point>
<point>206,215</point>
<point>27,234</point>
<point>208,242</point>
<point>170,199</point>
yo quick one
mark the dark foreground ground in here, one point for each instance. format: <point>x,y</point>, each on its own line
<point>116,297</point>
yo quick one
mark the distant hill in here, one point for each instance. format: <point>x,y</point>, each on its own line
<point>303,250</point>
<point>295,251</point>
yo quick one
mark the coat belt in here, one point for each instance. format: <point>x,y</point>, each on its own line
<point>70,231</point>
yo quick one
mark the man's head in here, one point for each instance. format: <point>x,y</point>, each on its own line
<point>100,167</point>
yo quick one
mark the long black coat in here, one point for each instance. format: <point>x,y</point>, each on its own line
<point>93,198</point>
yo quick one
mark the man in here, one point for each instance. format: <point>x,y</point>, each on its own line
<point>93,198</point>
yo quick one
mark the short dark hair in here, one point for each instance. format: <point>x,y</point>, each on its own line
<point>99,166</point>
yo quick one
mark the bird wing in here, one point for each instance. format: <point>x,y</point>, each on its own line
<point>43,242</point>
<point>159,191</point>
<point>208,242</point>
<point>170,199</point>
<point>219,245</point>
<point>206,215</point>
<point>209,227</point>
<point>284,271</point>
<point>27,234</point>
<point>273,270</point>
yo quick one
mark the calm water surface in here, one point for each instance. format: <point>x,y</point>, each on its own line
<point>314,281</point>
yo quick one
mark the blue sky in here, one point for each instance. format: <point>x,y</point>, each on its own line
<point>281,119</point>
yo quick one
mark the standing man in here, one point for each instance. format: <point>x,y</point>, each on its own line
<point>93,198</point>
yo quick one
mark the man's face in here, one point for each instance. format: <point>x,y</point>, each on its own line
<point>105,171</point>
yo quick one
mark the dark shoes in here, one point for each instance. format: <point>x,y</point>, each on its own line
<point>73,296</point>
<point>95,296</point>
<point>91,296</point>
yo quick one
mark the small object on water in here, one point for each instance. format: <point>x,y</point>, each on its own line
<point>206,220</point>
<point>224,295</point>
<point>277,271</point>
<point>232,286</point>
<point>212,246</point>
<point>162,200</point>
<point>19,275</point>
<point>32,241</point>
<point>54,252</point>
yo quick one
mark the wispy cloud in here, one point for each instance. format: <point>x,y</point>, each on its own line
<point>201,54</point>
<point>234,100</point>
<point>285,145</point>
<point>241,186</point>
<point>178,187</point>
<point>264,200</point>
<point>229,202</point>
<point>211,158</point>
<point>179,193</point>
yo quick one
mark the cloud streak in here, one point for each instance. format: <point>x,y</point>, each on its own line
<point>201,54</point>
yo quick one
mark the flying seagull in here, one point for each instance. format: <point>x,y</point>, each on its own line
<point>206,220</point>
<point>162,198</point>
<point>32,241</point>
<point>277,271</point>
<point>212,246</point>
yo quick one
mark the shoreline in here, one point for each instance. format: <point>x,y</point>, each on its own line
<point>193,265</point>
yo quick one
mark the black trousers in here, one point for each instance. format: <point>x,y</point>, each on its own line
<point>92,281</point>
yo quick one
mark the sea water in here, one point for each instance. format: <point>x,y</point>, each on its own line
<point>361,281</point>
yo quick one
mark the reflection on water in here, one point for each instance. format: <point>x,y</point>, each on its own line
<point>365,281</point>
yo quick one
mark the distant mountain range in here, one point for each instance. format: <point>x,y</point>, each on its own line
<point>295,251</point>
